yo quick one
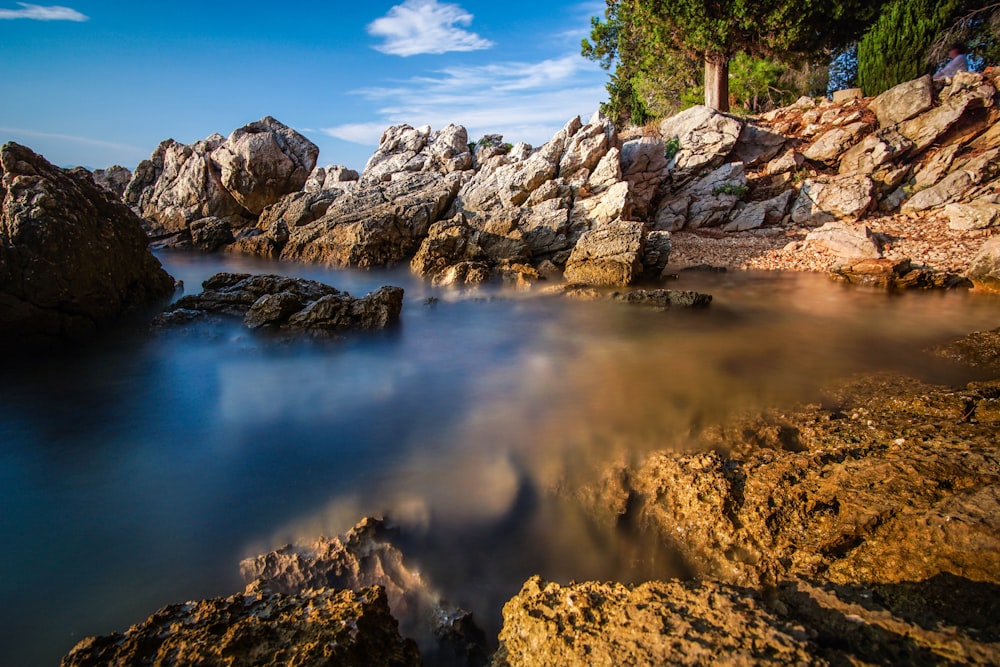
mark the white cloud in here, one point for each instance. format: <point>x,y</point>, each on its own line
<point>426,26</point>
<point>40,13</point>
<point>523,101</point>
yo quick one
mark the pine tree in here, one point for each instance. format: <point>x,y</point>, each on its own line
<point>894,49</point>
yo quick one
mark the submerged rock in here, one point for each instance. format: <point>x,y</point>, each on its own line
<point>978,349</point>
<point>288,305</point>
<point>663,299</point>
<point>72,258</point>
<point>314,628</point>
<point>888,481</point>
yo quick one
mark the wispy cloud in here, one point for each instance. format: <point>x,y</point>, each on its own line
<point>426,26</point>
<point>66,137</point>
<point>523,101</point>
<point>40,13</point>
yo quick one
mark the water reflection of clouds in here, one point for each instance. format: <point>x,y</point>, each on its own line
<point>302,389</point>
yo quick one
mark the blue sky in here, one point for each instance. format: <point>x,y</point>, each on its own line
<point>101,83</point>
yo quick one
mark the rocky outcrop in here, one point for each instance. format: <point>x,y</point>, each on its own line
<point>286,305</point>
<point>405,149</point>
<point>481,208</point>
<point>113,179</point>
<point>331,177</point>
<point>263,161</point>
<point>313,628</point>
<point>231,179</point>
<point>72,258</point>
<point>610,255</point>
<point>367,556</point>
<point>177,185</point>
<point>523,210</point>
<point>984,270</point>
<point>846,240</point>
<point>377,223</point>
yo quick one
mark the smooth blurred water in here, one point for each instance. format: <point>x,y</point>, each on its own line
<point>140,472</point>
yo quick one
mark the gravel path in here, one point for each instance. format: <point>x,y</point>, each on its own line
<point>926,240</point>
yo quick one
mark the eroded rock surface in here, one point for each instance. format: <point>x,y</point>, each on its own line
<point>314,628</point>
<point>656,623</point>
<point>945,619</point>
<point>72,258</point>
<point>888,481</point>
<point>263,161</point>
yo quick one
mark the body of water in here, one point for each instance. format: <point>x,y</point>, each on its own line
<point>138,473</point>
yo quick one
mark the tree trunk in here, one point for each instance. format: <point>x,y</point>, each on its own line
<point>717,81</point>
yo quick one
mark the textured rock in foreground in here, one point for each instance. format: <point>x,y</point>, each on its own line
<point>312,629</point>
<point>72,259</point>
<point>288,305</point>
<point>888,481</point>
<point>945,619</point>
<point>367,556</point>
<point>656,623</point>
<point>610,255</point>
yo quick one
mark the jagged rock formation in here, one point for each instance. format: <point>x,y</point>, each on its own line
<point>367,556</point>
<point>458,217</point>
<point>286,305</point>
<point>231,179</point>
<point>113,179</point>
<point>331,177</point>
<point>464,213</point>
<point>72,258</point>
<point>314,628</point>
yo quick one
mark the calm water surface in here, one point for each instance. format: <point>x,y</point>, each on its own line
<point>139,473</point>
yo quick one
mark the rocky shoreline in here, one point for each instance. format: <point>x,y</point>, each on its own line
<point>864,529</point>
<point>859,530</point>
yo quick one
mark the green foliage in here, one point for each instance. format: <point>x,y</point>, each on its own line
<point>655,47</point>
<point>739,191</point>
<point>671,147</point>
<point>893,50</point>
<point>755,83</point>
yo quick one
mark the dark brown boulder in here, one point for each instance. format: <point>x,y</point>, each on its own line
<point>72,257</point>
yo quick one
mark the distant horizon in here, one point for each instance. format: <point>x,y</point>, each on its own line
<point>97,86</point>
